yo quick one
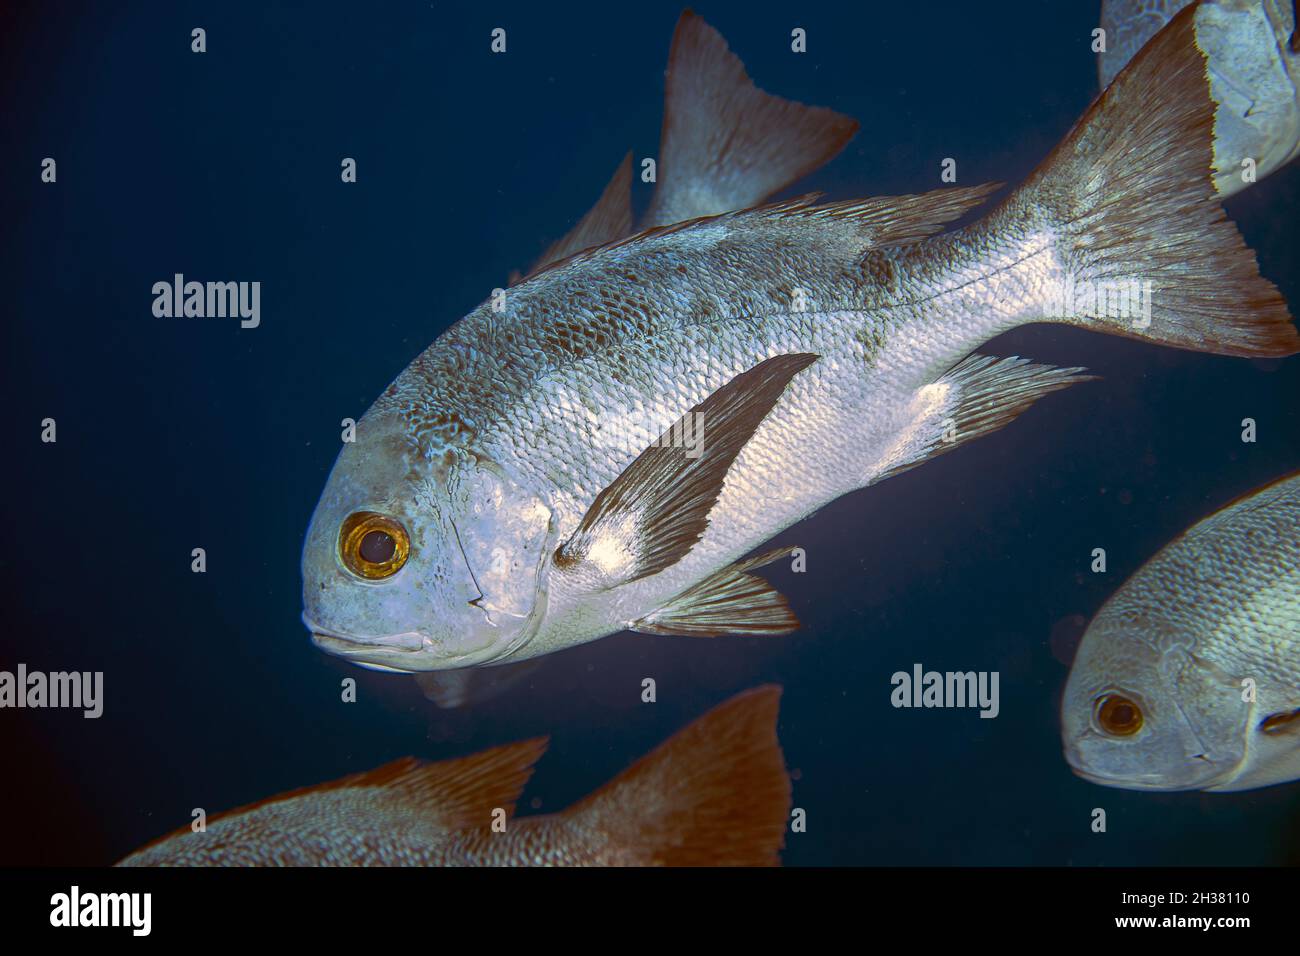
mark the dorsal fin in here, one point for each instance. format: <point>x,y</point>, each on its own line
<point>459,792</point>
<point>726,144</point>
<point>607,221</point>
<point>878,221</point>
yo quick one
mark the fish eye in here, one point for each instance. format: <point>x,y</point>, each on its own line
<point>1118,716</point>
<point>373,546</point>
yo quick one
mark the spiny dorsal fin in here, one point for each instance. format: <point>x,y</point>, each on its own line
<point>726,144</point>
<point>607,221</point>
<point>875,222</point>
<point>729,601</point>
<point>655,511</point>
<point>715,794</point>
<point>462,791</point>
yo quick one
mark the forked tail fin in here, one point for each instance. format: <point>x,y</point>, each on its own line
<point>715,794</point>
<point>1143,246</point>
<point>725,143</point>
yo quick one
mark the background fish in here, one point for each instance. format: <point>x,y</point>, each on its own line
<point>725,145</point>
<point>715,794</point>
<point>1253,60</point>
<point>465,686</point>
<point>1155,697</point>
<point>528,483</point>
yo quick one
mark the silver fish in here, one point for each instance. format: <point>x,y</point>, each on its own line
<point>1253,59</point>
<point>1189,676</point>
<point>721,168</point>
<point>602,448</point>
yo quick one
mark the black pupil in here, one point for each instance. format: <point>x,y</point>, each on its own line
<point>377,547</point>
<point>1122,715</point>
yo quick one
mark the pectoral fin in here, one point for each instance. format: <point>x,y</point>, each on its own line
<point>656,510</point>
<point>730,601</point>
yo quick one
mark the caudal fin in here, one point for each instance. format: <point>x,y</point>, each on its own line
<point>1145,248</point>
<point>715,794</point>
<point>608,220</point>
<point>726,144</point>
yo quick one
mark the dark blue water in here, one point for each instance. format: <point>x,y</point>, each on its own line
<point>175,434</point>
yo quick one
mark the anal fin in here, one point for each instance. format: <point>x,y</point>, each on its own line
<point>978,395</point>
<point>729,601</point>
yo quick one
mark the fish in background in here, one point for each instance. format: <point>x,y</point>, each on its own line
<point>1253,59</point>
<point>607,449</point>
<point>1158,699</point>
<point>467,686</point>
<point>725,145</point>
<point>717,155</point>
<point>715,794</point>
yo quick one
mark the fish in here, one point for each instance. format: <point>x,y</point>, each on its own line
<point>467,686</point>
<point>1253,59</point>
<point>714,163</point>
<point>608,445</point>
<point>1188,678</point>
<point>715,794</point>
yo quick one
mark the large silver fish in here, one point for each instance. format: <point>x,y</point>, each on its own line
<point>1253,59</point>
<point>1189,676</point>
<point>712,111</point>
<point>601,447</point>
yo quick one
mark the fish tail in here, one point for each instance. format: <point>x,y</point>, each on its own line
<point>726,144</point>
<point>1145,249</point>
<point>715,794</point>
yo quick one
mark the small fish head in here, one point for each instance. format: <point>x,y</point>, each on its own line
<point>420,562</point>
<point>1142,712</point>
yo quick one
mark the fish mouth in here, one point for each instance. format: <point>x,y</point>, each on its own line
<point>1144,782</point>
<point>408,652</point>
<point>1147,781</point>
<point>391,653</point>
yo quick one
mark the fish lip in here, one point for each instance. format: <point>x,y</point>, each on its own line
<point>1147,782</point>
<point>411,650</point>
<point>1122,783</point>
<point>333,641</point>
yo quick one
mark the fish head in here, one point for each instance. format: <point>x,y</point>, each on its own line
<point>1142,712</point>
<point>421,561</point>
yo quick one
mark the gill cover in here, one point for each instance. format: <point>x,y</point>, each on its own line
<point>505,534</point>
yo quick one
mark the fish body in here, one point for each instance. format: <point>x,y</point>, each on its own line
<point>601,450</point>
<point>1253,60</point>
<point>1189,676</point>
<point>716,793</point>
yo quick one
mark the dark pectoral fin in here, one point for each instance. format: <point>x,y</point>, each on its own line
<point>730,601</point>
<point>654,512</point>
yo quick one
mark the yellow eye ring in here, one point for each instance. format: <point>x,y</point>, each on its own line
<point>1118,716</point>
<point>373,546</point>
